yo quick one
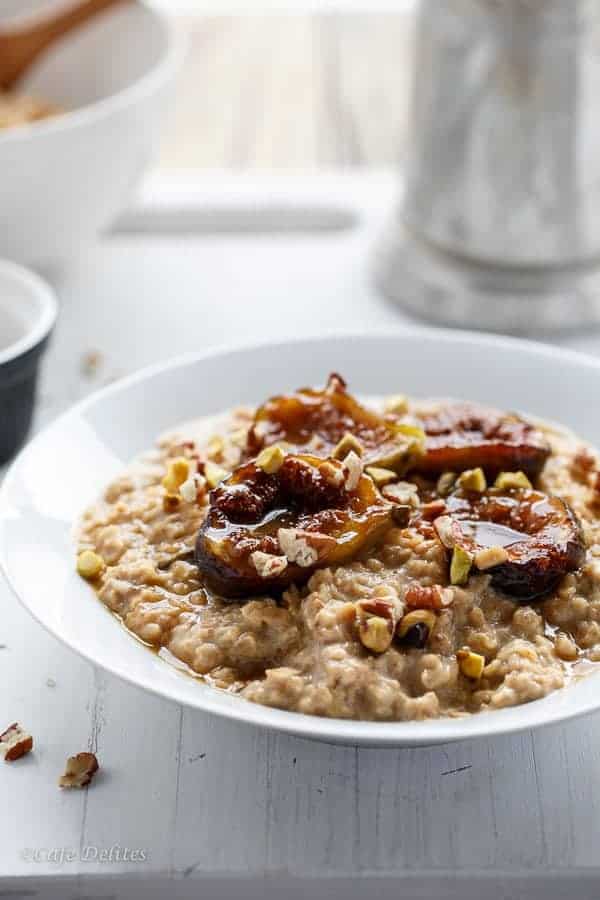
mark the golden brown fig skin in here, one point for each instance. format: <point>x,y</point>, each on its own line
<point>463,436</point>
<point>550,545</point>
<point>318,419</point>
<point>247,510</point>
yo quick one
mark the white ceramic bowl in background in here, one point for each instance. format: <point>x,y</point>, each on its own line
<point>98,437</point>
<point>63,179</point>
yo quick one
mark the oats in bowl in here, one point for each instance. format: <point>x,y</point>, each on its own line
<point>391,560</point>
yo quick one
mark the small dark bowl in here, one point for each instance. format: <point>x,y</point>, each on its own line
<point>27,315</point>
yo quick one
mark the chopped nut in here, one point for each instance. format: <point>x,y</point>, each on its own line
<point>460,566</point>
<point>303,547</point>
<point>215,448</point>
<point>433,510</point>
<point>446,531</point>
<point>414,431</point>
<point>15,742</point>
<point>270,459</point>
<point>375,634</point>
<point>403,492</point>
<point>489,557</point>
<point>506,481</point>
<point>332,473</point>
<point>178,471</point>
<point>79,771</point>
<point>239,437</point>
<point>353,467</point>
<point>401,515</point>
<point>470,664</point>
<point>89,564</point>
<point>396,404</point>
<point>416,617</point>
<point>171,502</point>
<point>472,480</point>
<point>445,483</point>
<point>214,474</point>
<point>381,477</point>
<point>346,445</point>
<point>267,564</point>
<point>190,489</point>
<point>419,596</point>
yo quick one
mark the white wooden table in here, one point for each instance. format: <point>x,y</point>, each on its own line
<point>218,809</point>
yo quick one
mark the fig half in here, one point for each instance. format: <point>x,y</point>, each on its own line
<point>536,538</point>
<point>267,530</point>
<point>320,421</point>
<point>462,436</point>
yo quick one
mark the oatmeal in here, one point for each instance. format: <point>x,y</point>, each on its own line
<point>388,561</point>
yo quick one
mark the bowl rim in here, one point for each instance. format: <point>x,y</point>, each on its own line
<point>537,713</point>
<point>47,312</point>
<point>175,46</point>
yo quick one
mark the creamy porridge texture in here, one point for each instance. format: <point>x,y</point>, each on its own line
<point>388,561</point>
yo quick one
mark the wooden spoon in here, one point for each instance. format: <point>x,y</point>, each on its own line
<point>20,47</point>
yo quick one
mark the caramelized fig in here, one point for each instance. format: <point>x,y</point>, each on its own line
<point>332,422</point>
<point>266,530</point>
<point>524,539</point>
<point>462,436</point>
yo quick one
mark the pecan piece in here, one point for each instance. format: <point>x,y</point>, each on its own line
<point>298,513</point>
<point>79,771</point>
<point>462,436</point>
<point>15,742</point>
<point>331,422</point>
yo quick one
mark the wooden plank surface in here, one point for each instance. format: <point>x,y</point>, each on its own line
<point>289,92</point>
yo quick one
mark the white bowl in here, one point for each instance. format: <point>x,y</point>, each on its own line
<point>63,179</point>
<point>90,444</point>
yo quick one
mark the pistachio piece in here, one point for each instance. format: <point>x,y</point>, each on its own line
<point>89,564</point>
<point>347,444</point>
<point>178,471</point>
<point>506,481</point>
<point>375,634</point>
<point>270,460</point>
<point>445,483</point>
<point>396,404</point>
<point>470,664</point>
<point>381,477</point>
<point>489,557</point>
<point>460,566</point>
<point>472,480</point>
<point>414,431</point>
<point>214,474</point>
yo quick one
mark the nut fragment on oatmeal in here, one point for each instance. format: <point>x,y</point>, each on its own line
<point>396,404</point>
<point>89,564</point>
<point>354,470</point>
<point>445,483</point>
<point>432,596</point>
<point>403,492</point>
<point>381,477</point>
<point>79,771</point>
<point>460,566</point>
<point>472,480</point>
<point>178,471</point>
<point>470,664</point>
<point>267,565</point>
<point>15,742</point>
<point>347,444</point>
<point>270,459</point>
<point>214,474</point>
<point>488,557</point>
<point>508,480</point>
<point>375,633</point>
